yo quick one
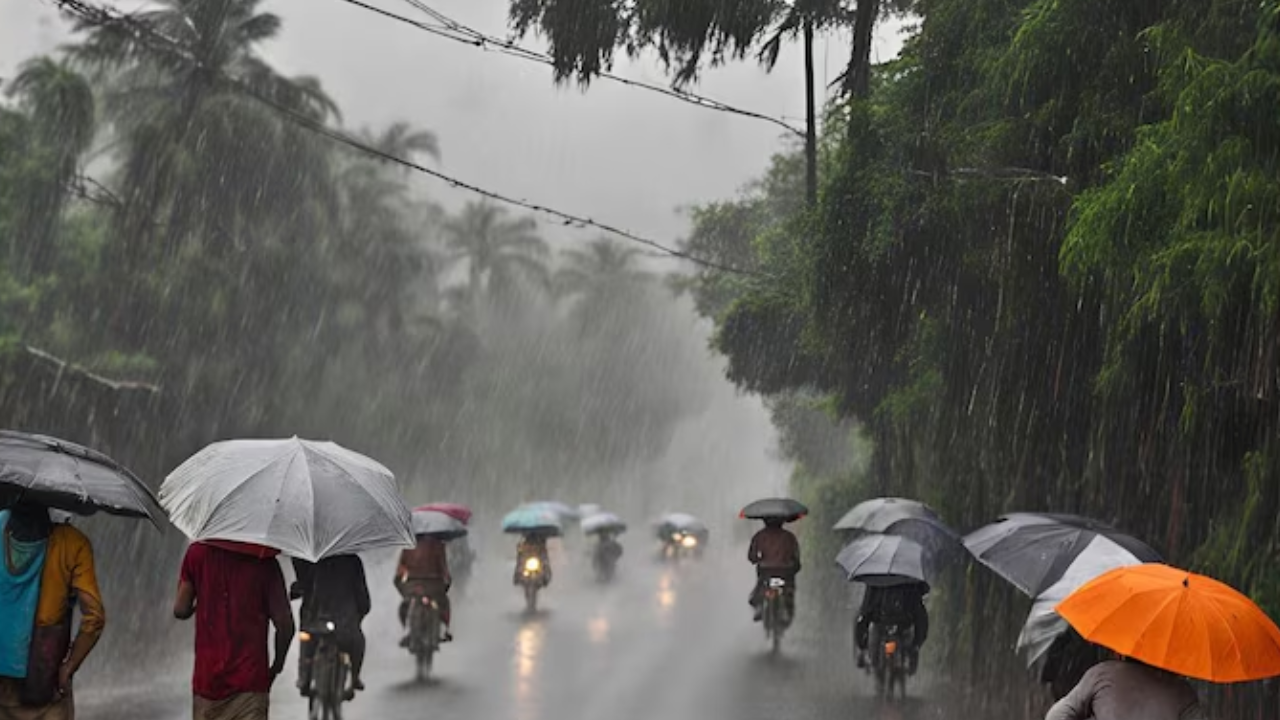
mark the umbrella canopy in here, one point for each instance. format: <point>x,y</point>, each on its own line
<point>603,522</point>
<point>532,520</point>
<point>774,509</point>
<point>680,522</point>
<point>1033,550</point>
<point>47,471</point>
<point>564,510</point>
<point>884,560</point>
<point>437,525</point>
<point>1168,618</point>
<point>457,511</point>
<point>1044,625</point>
<point>877,514</point>
<point>586,510</point>
<point>307,499</point>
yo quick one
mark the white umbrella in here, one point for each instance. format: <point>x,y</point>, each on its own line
<point>603,522</point>
<point>306,499</point>
<point>1043,624</point>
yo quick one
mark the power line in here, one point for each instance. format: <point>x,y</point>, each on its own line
<point>453,30</point>
<point>99,16</point>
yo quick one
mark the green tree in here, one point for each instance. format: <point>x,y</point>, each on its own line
<point>601,279</point>
<point>60,123</point>
<point>499,251</point>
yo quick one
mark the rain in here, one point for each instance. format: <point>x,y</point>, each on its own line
<point>974,304</point>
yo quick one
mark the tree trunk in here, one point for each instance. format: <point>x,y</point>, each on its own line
<point>811,120</point>
<point>857,77</point>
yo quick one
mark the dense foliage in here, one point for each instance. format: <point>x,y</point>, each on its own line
<point>1043,275</point>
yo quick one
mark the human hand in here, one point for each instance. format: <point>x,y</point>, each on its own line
<point>65,673</point>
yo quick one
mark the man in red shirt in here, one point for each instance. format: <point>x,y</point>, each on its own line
<point>234,590</point>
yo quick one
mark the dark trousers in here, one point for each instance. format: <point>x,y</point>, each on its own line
<point>763,576</point>
<point>437,590</point>
<point>350,640</point>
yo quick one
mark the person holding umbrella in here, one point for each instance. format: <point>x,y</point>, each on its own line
<point>774,550</point>
<point>49,568</point>
<point>334,589</point>
<point>242,503</point>
<point>1166,625</point>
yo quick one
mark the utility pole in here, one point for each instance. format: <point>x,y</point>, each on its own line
<point>811,119</point>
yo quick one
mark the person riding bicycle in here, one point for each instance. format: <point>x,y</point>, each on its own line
<point>332,590</point>
<point>901,605</point>
<point>532,545</point>
<point>424,572</point>
<point>775,552</point>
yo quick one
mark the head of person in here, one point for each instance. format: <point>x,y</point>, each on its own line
<point>773,522</point>
<point>29,522</point>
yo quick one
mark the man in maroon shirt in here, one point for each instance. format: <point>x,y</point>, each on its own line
<point>234,590</point>
<point>776,553</point>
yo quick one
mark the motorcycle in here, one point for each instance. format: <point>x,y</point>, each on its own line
<point>777,610</point>
<point>682,544</point>
<point>891,664</point>
<point>532,578</point>
<point>330,674</point>
<point>424,632</point>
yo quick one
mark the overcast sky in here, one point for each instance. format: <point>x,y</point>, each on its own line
<point>615,154</point>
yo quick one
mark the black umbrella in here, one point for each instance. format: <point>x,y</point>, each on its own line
<point>1034,550</point>
<point>784,509</point>
<point>884,560</point>
<point>54,473</point>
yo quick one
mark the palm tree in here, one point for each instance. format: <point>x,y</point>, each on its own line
<point>500,251</point>
<point>186,111</point>
<point>59,105</point>
<point>604,267</point>
<point>401,140</point>
<point>605,278</point>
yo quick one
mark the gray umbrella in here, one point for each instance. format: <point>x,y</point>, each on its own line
<point>775,509</point>
<point>58,474</point>
<point>438,525</point>
<point>878,514</point>
<point>884,560</point>
<point>909,518</point>
<point>1033,551</point>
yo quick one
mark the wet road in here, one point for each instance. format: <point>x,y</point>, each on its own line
<point>674,643</point>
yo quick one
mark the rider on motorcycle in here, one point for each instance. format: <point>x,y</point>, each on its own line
<point>461,556</point>
<point>424,572</point>
<point>901,605</point>
<point>532,545</point>
<point>607,550</point>
<point>332,590</point>
<point>775,552</point>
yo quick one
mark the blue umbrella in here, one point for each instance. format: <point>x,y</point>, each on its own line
<point>563,510</point>
<point>532,519</point>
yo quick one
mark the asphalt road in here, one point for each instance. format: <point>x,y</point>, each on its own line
<point>661,642</point>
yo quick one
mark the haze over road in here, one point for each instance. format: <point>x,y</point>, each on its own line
<point>663,642</point>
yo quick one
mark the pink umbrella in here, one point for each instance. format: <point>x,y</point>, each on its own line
<point>458,512</point>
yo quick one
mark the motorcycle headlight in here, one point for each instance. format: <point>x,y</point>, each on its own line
<point>532,564</point>
<point>304,636</point>
<point>675,537</point>
<point>689,541</point>
<point>330,626</point>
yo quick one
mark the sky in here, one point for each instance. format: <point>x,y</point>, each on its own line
<point>622,156</point>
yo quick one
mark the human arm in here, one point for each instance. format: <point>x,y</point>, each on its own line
<point>795,551</point>
<point>184,604</point>
<point>753,550</point>
<point>281,616</point>
<point>363,603</point>
<point>93,618</point>
<point>920,618</point>
<point>1077,704</point>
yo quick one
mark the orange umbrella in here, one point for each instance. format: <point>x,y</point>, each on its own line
<point>1187,624</point>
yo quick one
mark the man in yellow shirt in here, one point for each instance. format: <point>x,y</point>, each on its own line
<point>68,577</point>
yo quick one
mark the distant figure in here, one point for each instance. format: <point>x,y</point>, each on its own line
<point>48,569</point>
<point>234,590</point>
<point>605,555</point>
<point>775,552</point>
<point>901,605</point>
<point>332,590</point>
<point>534,545</point>
<point>1128,690</point>
<point>461,557</point>
<point>424,570</point>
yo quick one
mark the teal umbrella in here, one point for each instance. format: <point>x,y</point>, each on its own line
<point>532,520</point>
